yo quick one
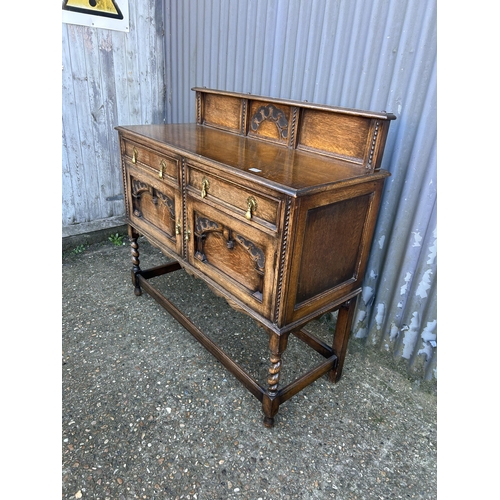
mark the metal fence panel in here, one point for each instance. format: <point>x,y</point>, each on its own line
<point>368,54</point>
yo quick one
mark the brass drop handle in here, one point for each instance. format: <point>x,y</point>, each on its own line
<point>204,187</point>
<point>251,207</point>
<point>178,228</point>
<point>134,156</point>
<point>162,168</point>
<point>188,233</point>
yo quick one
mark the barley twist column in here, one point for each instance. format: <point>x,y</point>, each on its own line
<point>271,400</point>
<point>133,235</point>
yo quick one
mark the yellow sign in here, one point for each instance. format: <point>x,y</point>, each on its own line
<point>106,8</point>
<point>108,14</point>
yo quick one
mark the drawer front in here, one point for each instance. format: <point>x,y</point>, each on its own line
<point>157,164</point>
<point>236,255</point>
<point>241,202</point>
<point>155,208</point>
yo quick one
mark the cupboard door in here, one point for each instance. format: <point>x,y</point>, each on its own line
<point>236,255</point>
<point>155,208</point>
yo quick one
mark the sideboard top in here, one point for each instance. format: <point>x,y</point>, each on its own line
<point>347,134</point>
<point>297,147</point>
<point>291,171</point>
<point>382,115</point>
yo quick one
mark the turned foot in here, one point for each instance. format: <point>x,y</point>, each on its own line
<point>269,422</point>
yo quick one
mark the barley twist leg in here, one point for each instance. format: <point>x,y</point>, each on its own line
<point>133,235</point>
<point>271,400</point>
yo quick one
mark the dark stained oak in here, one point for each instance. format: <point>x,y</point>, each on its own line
<point>273,203</point>
<point>286,169</point>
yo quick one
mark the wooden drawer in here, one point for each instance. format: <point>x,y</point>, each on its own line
<point>247,204</point>
<point>158,164</point>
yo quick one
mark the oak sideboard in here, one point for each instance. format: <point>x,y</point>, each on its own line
<point>273,203</point>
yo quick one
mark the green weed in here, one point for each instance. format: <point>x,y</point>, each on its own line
<point>79,249</point>
<point>117,239</point>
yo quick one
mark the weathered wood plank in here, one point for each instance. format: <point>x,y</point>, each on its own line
<point>109,78</point>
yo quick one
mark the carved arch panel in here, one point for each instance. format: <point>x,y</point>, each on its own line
<point>231,253</point>
<point>153,206</point>
<point>270,122</point>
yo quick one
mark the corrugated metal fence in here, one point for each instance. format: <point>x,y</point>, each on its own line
<point>377,55</point>
<point>369,54</point>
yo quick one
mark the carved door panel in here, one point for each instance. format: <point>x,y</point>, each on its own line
<point>155,207</point>
<point>236,255</point>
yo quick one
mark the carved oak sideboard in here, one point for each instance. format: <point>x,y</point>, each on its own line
<point>271,202</point>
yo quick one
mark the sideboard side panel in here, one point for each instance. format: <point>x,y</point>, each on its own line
<point>332,241</point>
<point>331,246</point>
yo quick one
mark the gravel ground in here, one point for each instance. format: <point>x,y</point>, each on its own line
<point>148,413</point>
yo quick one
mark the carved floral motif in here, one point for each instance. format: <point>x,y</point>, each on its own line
<point>256,253</point>
<point>139,187</point>
<point>203,225</point>
<point>274,114</point>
